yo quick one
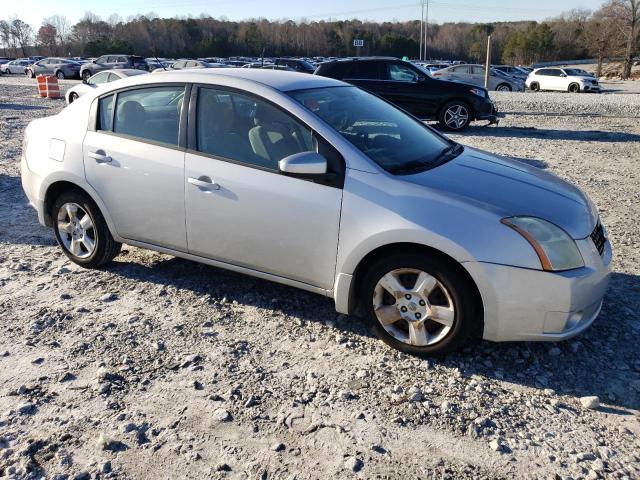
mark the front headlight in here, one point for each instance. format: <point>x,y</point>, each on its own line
<point>478,92</point>
<point>554,247</point>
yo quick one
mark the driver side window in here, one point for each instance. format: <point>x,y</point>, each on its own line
<point>402,73</point>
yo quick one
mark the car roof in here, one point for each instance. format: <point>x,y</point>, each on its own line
<point>277,79</point>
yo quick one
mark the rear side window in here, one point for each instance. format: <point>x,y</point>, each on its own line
<point>364,71</point>
<point>477,70</point>
<point>105,113</point>
<point>150,113</point>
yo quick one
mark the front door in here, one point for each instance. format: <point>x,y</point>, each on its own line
<point>240,209</point>
<point>133,162</point>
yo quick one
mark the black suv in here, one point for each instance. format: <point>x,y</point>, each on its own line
<point>296,64</point>
<point>109,62</point>
<point>453,104</point>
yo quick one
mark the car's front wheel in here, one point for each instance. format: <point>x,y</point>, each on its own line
<point>455,116</point>
<point>534,87</point>
<point>419,304</point>
<point>60,75</point>
<point>574,88</point>
<point>503,87</point>
<point>86,75</point>
<point>82,232</point>
<point>29,74</point>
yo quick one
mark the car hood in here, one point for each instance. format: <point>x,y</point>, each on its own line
<point>509,187</point>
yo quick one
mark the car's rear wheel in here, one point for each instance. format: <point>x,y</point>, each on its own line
<point>574,88</point>
<point>418,304</point>
<point>86,75</point>
<point>534,87</point>
<point>503,87</point>
<point>29,74</point>
<point>455,116</point>
<point>73,96</point>
<point>82,232</point>
<point>60,75</point>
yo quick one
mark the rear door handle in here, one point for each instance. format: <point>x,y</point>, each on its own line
<point>99,156</point>
<point>203,182</point>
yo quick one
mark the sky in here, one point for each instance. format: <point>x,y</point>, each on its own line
<point>33,11</point>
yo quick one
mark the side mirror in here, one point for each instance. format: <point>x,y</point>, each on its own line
<point>563,74</point>
<point>303,164</point>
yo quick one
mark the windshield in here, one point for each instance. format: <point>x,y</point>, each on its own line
<point>388,136</point>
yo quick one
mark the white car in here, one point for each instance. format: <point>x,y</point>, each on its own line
<point>100,78</point>
<point>317,184</point>
<point>562,79</point>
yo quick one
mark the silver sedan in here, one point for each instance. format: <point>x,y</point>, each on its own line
<point>314,183</point>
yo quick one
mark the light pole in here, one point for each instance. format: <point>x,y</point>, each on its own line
<point>426,27</point>
<point>421,27</point>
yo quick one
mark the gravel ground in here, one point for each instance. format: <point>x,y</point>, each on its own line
<point>156,367</point>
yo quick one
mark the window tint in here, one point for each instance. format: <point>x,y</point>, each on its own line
<point>105,109</point>
<point>101,60</point>
<point>112,77</point>
<point>461,69</point>
<point>242,128</point>
<point>122,60</point>
<point>150,113</point>
<point>475,70</point>
<point>402,73</point>
<point>364,71</point>
<point>554,72</point>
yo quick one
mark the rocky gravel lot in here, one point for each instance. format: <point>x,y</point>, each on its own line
<point>156,367</point>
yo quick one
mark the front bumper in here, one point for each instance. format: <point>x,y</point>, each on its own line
<point>486,110</point>
<point>534,305</point>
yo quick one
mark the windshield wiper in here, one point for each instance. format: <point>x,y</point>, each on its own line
<point>415,166</point>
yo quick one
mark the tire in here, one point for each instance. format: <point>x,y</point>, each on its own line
<point>73,96</point>
<point>455,116</point>
<point>574,88</point>
<point>453,295</point>
<point>105,248</point>
<point>86,75</point>
<point>60,75</point>
<point>534,87</point>
<point>30,74</point>
<point>504,87</point>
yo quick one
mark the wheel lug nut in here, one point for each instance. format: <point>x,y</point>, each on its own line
<point>418,316</point>
<point>403,309</point>
<point>407,296</point>
<point>422,303</point>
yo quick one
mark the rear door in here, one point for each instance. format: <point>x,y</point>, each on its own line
<point>476,76</point>
<point>240,209</point>
<point>367,75</point>
<point>134,161</point>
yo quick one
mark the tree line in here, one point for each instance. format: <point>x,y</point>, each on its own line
<point>610,32</point>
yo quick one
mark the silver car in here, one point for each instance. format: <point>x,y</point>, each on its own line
<point>60,67</point>
<point>474,75</point>
<point>313,183</point>
<point>15,67</point>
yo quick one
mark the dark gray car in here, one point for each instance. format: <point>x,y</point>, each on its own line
<point>110,62</point>
<point>60,67</point>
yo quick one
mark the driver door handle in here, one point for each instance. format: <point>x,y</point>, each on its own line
<point>204,183</point>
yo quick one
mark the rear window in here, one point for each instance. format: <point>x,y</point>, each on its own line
<point>364,71</point>
<point>150,113</point>
<point>105,113</point>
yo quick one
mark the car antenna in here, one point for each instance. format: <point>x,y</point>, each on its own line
<point>156,57</point>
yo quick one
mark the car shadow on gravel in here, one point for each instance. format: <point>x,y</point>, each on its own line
<point>543,133</point>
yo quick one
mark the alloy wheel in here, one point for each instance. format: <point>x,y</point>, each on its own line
<point>76,229</point>
<point>414,307</point>
<point>503,88</point>
<point>456,117</point>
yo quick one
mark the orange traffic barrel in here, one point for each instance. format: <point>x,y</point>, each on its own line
<point>48,86</point>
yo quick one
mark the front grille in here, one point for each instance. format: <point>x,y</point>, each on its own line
<point>598,238</point>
